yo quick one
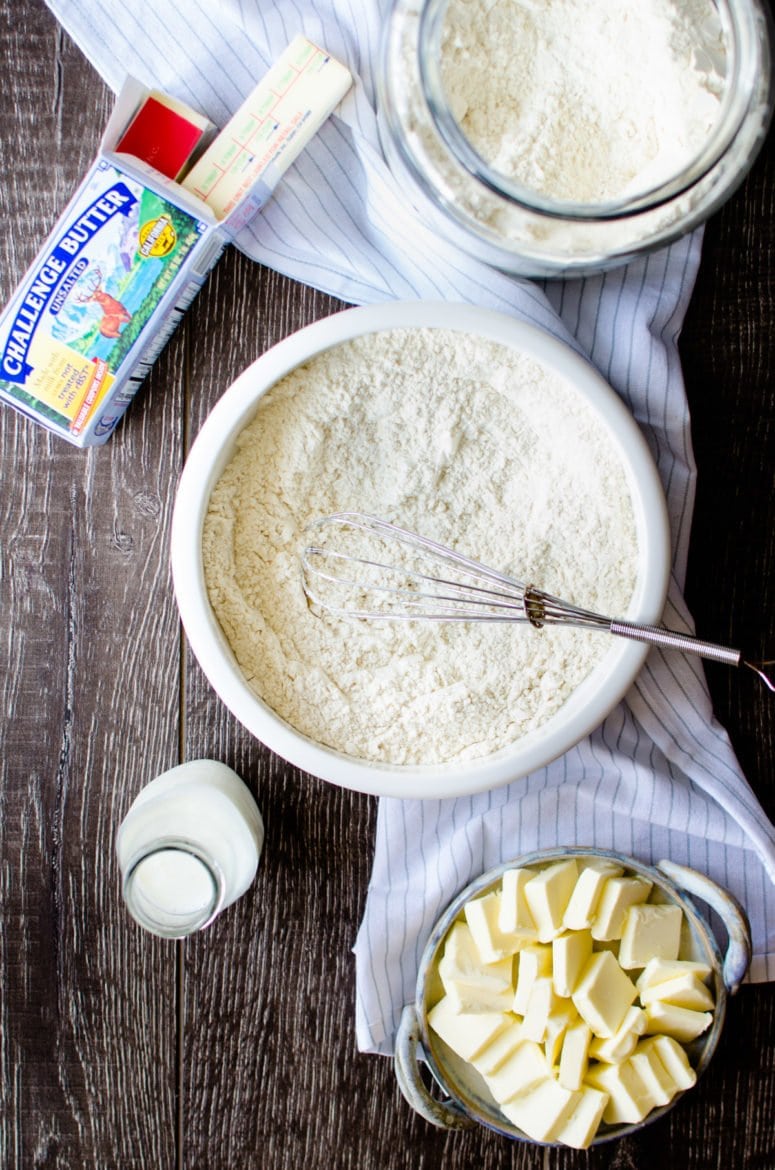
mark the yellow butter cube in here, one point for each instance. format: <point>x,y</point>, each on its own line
<point>682,1024</point>
<point>580,1127</point>
<point>524,1068</point>
<point>580,911</point>
<point>461,961</point>
<point>650,932</point>
<point>658,970</point>
<point>654,1075</point>
<point>553,1038</point>
<point>618,894</point>
<point>614,1049</point>
<point>541,1112</point>
<point>548,894</point>
<point>603,994</point>
<point>570,952</point>
<point>674,1060</point>
<point>498,1050</point>
<point>472,985</point>
<point>466,1034</point>
<point>542,1003</point>
<point>534,962</point>
<point>629,1099</point>
<point>686,991</point>
<point>574,1056</point>
<point>515,916</point>
<point>563,1016</point>
<point>471,997</point>
<point>482,916</point>
<point>460,950</point>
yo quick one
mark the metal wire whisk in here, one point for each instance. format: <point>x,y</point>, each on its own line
<point>338,576</point>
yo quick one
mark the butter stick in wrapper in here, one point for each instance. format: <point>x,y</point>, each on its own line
<point>135,243</point>
<point>270,129</point>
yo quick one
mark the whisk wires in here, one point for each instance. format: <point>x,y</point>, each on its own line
<point>365,567</point>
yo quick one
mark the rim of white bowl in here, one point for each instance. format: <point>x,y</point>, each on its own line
<point>589,704</point>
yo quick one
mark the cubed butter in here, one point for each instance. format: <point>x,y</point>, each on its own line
<point>682,1024</point>
<point>553,1038</point>
<point>498,1050</point>
<point>686,991</point>
<point>541,1112</point>
<point>603,993</point>
<point>674,1060</point>
<point>461,961</point>
<point>472,985</point>
<point>629,1099</point>
<point>460,949</point>
<point>614,1049</point>
<point>574,1056</point>
<point>542,1003</point>
<point>654,1075</point>
<point>515,913</point>
<point>482,916</point>
<point>582,1124</point>
<point>466,996</point>
<point>524,1068</point>
<point>466,1034</point>
<point>658,970</point>
<point>570,952</point>
<point>580,911</point>
<point>534,962</point>
<point>548,894</point>
<point>563,1016</point>
<point>539,999</point>
<point>650,932</point>
<point>618,894</point>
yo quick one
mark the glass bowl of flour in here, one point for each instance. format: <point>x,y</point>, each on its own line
<point>467,426</point>
<point>562,137</point>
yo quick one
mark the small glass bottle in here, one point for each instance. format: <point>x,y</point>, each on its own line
<point>188,847</point>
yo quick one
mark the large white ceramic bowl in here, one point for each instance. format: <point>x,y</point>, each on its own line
<point>587,706</point>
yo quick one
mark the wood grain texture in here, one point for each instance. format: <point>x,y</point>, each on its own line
<point>237,1048</point>
<point>729,360</point>
<point>88,1001</point>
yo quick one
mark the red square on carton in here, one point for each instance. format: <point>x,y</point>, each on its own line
<point>161,137</point>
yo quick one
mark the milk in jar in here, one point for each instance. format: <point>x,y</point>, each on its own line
<point>188,847</point>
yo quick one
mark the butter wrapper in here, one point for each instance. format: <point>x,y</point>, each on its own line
<point>99,304</point>
<point>120,268</point>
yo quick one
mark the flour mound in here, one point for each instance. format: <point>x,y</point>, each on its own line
<point>585,100</point>
<point>465,441</point>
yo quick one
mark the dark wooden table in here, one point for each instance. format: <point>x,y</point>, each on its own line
<point>237,1048</point>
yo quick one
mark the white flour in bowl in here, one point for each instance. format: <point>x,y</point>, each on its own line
<point>584,100</point>
<point>576,100</point>
<point>461,439</point>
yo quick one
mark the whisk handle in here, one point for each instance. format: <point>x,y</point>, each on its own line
<point>657,636</point>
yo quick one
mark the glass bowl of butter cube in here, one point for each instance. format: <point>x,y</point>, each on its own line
<point>569,997</point>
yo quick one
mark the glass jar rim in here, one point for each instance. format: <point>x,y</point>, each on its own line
<point>739,35</point>
<point>187,924</point>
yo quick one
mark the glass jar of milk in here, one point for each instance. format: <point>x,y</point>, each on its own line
<point>188,847</point>
<point>561,139</point>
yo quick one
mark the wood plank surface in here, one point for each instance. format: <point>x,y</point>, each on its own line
<point>88,1026</point>
<point>237,1048</point>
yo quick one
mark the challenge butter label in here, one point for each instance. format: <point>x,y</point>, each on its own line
<point>89,295</point>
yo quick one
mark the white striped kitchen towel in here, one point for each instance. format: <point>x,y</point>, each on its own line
<point>659,778</point>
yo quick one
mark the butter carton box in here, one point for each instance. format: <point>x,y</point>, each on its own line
<point>134,246</point>
<point>100,302</point>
